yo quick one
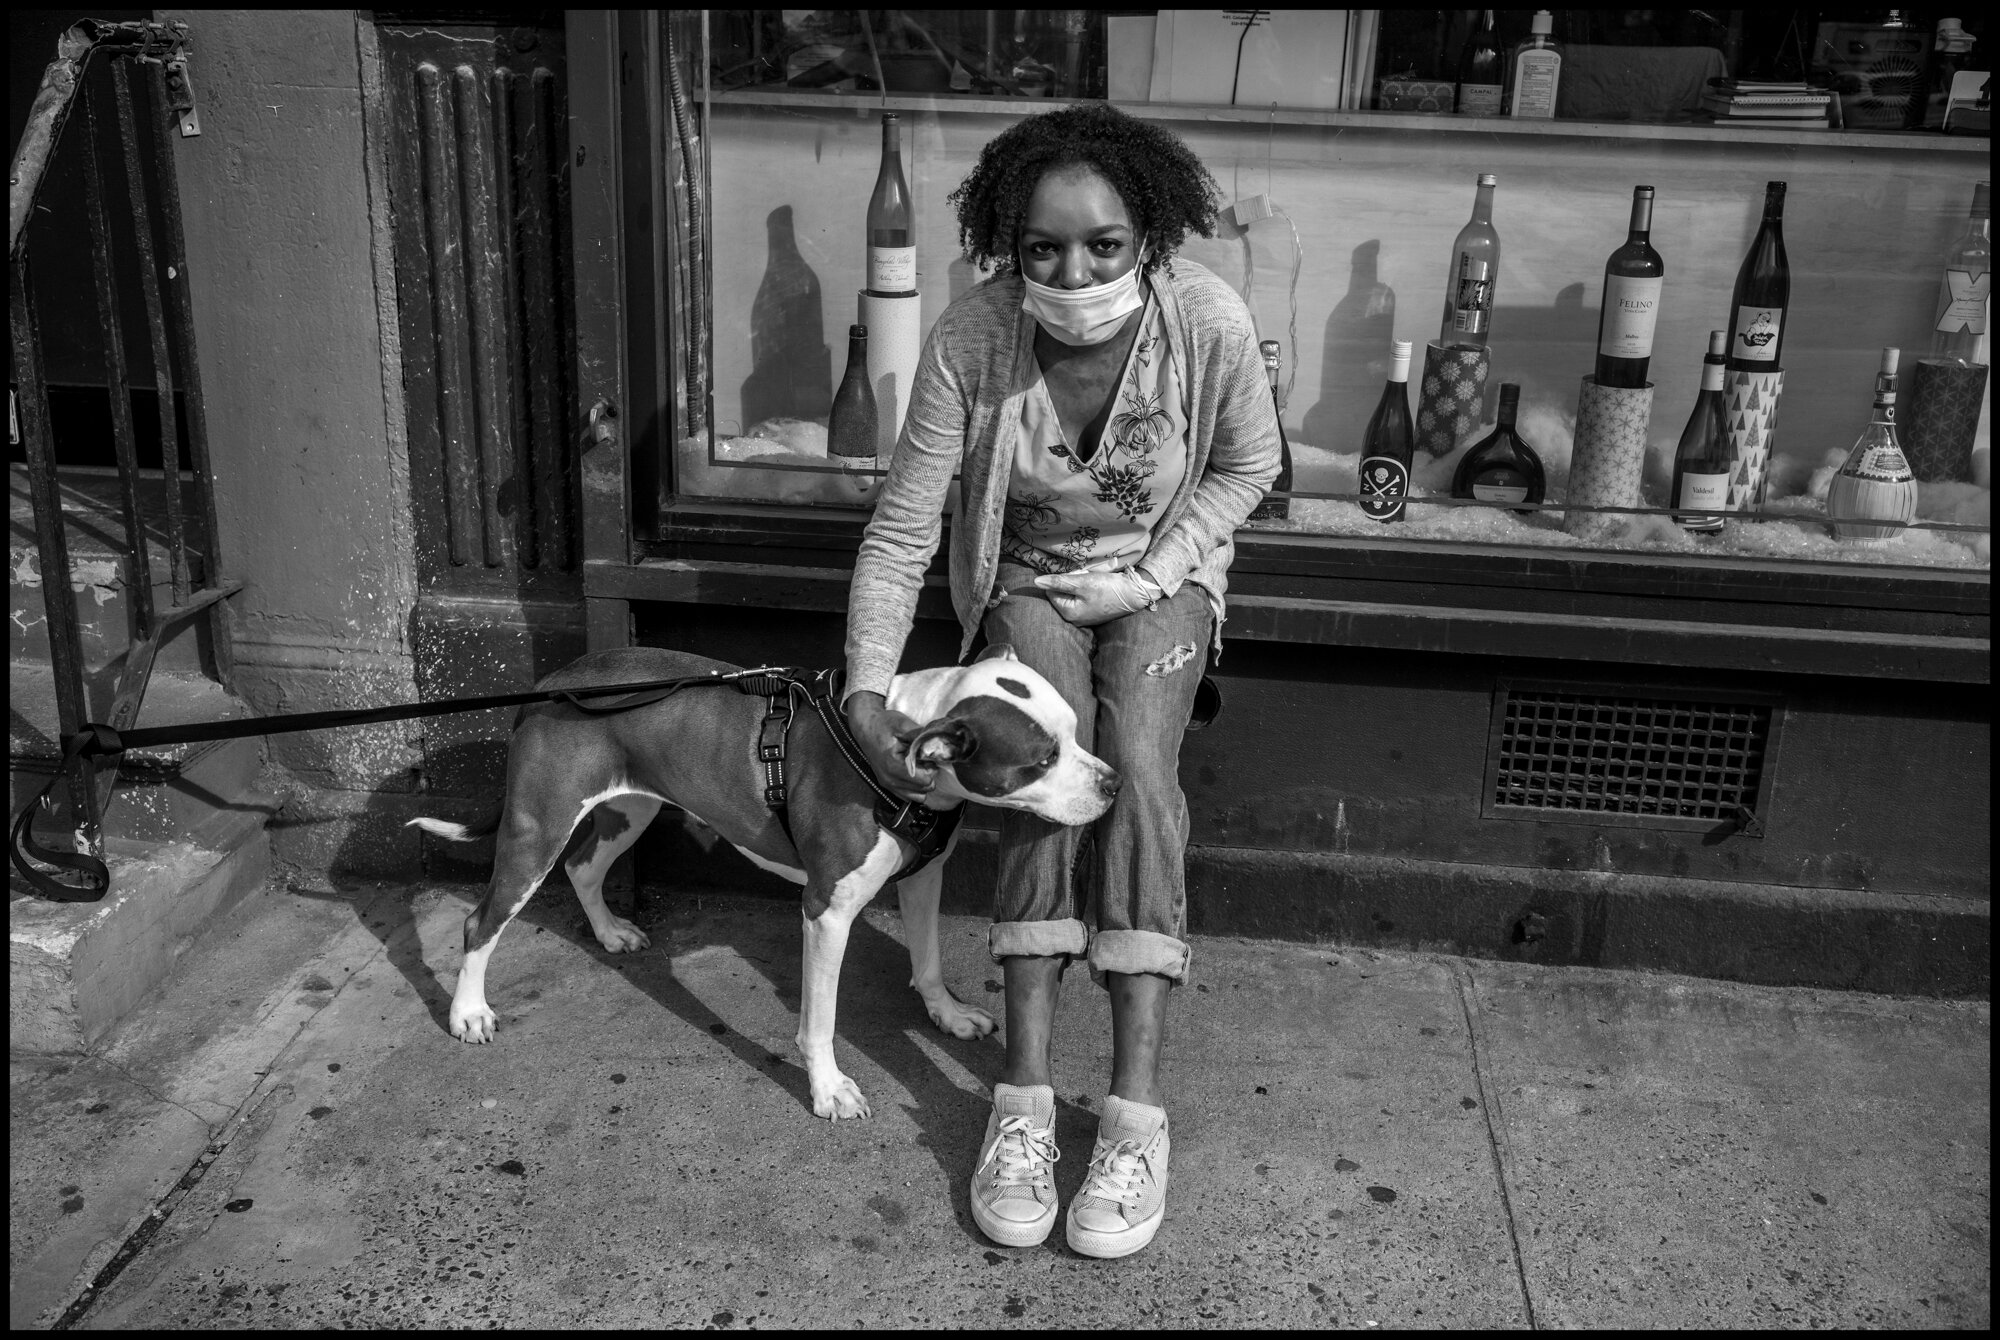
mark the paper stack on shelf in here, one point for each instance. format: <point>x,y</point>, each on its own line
<point>1766,102</point>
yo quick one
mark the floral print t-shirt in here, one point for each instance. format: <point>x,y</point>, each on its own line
<point>1070,513</point>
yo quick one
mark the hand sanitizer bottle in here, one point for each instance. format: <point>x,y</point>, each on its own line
<point>1534,72</point>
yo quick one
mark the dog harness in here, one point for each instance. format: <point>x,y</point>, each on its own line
<point>783,688</point>
<point>928,830</point>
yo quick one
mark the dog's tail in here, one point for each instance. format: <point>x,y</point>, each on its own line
<point>451,832</point>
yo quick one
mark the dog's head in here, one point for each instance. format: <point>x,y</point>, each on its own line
<point>1008,738</point>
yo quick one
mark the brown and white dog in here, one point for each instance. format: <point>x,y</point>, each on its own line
<point>994,731</point>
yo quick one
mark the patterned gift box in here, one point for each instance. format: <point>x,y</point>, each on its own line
<point>1451,396</point>
<point>1608,454</point>
<point>1943,418</point>
<point>1414,95</point>
<point>1751,401</point>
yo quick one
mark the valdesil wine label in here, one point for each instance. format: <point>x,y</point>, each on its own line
<point>1756,335</point>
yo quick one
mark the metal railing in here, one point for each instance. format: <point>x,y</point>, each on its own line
<point>149,60</point>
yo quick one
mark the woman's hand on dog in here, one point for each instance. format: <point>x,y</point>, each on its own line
<point>884,736</point>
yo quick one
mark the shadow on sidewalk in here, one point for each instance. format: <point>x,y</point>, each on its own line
<point>879,1011</point>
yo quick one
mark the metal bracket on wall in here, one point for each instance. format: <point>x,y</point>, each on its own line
<point>180,95</point>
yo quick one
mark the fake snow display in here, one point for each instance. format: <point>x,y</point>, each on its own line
<point>1796,495</point>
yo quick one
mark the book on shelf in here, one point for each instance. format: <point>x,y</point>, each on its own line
<point>1767,102</point>
<point>1737,111</point>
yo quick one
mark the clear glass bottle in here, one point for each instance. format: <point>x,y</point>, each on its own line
<point>1475,268</point>
<point>1387,444</point>
<point>1501,467</point>
<point>1958,330</point>
<point>1706,457</point>
<point>1275,506</point>
<point>1875,484</point>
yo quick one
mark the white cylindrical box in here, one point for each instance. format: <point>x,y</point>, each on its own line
<point>895,341</point>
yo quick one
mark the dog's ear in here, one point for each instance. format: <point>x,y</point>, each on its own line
<point>943,741</point>
<point>1003,651</point>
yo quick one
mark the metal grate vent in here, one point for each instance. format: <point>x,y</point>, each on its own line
<point>1612,754</point>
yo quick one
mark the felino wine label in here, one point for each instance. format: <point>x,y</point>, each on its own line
<point>1385,487</point>
<point>1629,308</point>
<point>1756,335</point>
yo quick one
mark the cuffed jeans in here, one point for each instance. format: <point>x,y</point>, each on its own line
<point>1132,683</point>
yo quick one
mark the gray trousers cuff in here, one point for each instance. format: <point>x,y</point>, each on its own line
<point>1037,939</point>
<point>1138,951</point>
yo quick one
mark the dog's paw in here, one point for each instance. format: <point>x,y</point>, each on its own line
<point>620,936</point>
<point>473,1023</point>
<point>957,1018</point>
<point>839,1098</point>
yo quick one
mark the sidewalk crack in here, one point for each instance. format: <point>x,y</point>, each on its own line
<point>1461,978</point>
<point>210,1124</point>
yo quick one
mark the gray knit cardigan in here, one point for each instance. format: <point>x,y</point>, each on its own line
<point>964,412</point>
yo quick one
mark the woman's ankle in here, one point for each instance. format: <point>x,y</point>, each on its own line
<point>1146,1094</point>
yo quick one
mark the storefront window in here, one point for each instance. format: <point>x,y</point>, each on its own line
<point>1339,233</point>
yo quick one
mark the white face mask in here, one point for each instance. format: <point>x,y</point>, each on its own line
<point>1084,315</point>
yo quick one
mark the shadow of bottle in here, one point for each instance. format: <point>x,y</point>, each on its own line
<point>1356,357</point>
<point>791,368</point>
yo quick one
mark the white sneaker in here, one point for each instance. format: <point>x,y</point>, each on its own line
<point>1124,1199</point>
<point>1014,1186</point>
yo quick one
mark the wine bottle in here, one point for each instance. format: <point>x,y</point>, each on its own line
<point>1958,331</point>
<point>1633,277</point>
<point>1763,290</point>
<point>892,255</point>
<point>1706,457</point>
<point>1386,446</point>
<point>1501,467</point>
<point>1875,484</point>
<point>1475,266</point>
<point>851,428</point>
<point>1480,70</point>
<point>1276,507</point>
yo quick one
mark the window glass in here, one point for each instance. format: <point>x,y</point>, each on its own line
<point>1342,202</point>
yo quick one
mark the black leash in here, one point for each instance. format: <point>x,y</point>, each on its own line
<point>100,741</point>
<point>926,829</point>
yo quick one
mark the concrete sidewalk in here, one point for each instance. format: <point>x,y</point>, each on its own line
<point>1360,1139</point>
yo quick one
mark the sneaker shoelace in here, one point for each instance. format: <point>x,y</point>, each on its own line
<point>1116,1174</point>
<point>1023,1153</point>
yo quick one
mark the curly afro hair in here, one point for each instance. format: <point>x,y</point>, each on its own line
<point>1164,186</point>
